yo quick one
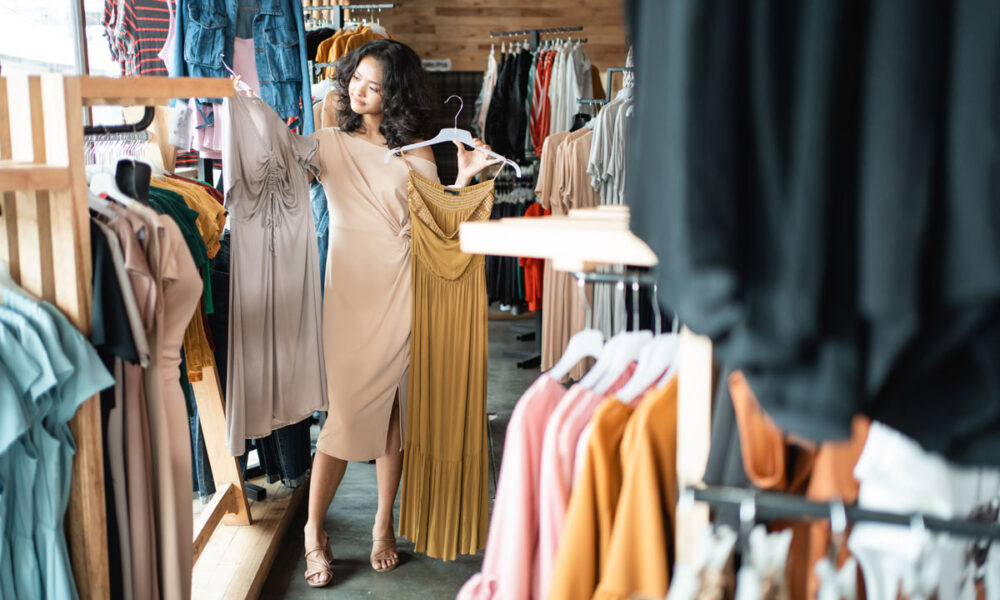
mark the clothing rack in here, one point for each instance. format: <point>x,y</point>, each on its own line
<point>338,10</point>
<point>45,241</point>
<point>607,87</point>
<point>773,505</point>
<point>337,23</point>
<point>535,34</point>
<point>142,125</point>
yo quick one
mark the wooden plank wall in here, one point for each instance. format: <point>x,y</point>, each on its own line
<point>460,29</point>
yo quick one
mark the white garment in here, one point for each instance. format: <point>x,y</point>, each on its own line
<point>579,84</point>
<point>897,475</point>
<point>557,92</point>
<point>485,95</point>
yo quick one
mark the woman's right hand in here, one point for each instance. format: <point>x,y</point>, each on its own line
<point>237,79</point>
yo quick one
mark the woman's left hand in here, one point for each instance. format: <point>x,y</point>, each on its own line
<point>471,162</point>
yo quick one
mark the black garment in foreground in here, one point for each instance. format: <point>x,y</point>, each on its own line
<point>821,183</point>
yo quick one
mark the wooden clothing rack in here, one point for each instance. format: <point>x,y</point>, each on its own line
<point>45,241</point>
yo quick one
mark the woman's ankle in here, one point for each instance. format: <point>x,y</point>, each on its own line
<point>314,531</point>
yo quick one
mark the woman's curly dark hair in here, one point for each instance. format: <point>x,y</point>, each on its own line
<point>406,96</point>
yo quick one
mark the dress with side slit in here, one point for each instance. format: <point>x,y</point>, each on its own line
<point>367,307</point>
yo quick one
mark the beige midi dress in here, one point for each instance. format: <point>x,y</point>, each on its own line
<point>367,304</point>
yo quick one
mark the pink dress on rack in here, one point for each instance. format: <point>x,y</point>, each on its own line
<point>507,563</point>
<point>556,473</point>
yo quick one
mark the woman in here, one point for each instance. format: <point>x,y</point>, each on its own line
<point>383,103</point>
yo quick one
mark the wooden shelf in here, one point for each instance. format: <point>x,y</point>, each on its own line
<point>572,244</point>
<point>150,91</point>
<point>26,176</point>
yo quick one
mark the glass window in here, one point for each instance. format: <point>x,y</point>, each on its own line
<point>39,36</point>
<point>36,36</point>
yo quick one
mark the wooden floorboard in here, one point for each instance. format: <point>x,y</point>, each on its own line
<point>237,559</point>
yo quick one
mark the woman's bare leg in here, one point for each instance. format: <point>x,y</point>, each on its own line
<point>327,472</point>
<point>388,470</point>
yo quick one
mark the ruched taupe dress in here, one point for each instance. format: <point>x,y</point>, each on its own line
<point>276,375</point>
<point>367,305</point>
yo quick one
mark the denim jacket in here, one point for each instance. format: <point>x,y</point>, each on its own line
<point>205,29</point>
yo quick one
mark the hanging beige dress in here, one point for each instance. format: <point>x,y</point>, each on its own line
<point>445,499</point>
<point>367,300</point>
<point>563,184</point>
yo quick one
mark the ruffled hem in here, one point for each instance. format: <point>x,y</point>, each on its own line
<point>445,504</point>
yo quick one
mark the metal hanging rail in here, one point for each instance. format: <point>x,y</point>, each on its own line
<point>338,10</point>
<point>607,91</point>
<point>772,505</point>
<point>349,7</point>
<point>535,34</point>
<point>141,125</point>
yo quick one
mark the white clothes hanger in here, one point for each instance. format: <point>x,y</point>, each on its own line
<point>449,134</point>
<point>103,183</point>
<point>626,352</point>
<point>586,343</point>
<point>629,349</point>
<point>656,359</point>
<point>99,205</point>
<point>675,364</point>
<point>620,350</point>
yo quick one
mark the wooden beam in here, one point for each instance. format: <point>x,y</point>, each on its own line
<point>222,502</point>
<point>150,91</point>
<point>86,518</point>
<point>225,467</point>
<point>70,209</point>
<point>68,239</point>
<point>28,176</point>
<point>8,210</point>
<point>5,119</point>
<point>237,560</point>
<point>694,433</point>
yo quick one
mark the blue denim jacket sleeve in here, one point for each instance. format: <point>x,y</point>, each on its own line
<point>307,112</point>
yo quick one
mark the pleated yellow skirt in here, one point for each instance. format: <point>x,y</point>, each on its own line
<point>445,489</point>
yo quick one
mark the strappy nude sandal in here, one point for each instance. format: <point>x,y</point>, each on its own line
<point>385,554</point>
<point>322,566</point>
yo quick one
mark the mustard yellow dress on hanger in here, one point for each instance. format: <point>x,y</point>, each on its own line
<point>445,498</point>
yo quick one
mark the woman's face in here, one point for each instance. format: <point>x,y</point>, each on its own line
<point>365,88</point>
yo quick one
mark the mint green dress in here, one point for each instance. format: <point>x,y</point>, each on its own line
<point>53,370</point>
<point>23,352</point>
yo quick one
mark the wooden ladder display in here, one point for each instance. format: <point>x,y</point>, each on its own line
<point>45,241</point>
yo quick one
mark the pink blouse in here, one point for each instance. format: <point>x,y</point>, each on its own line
<point>510,547</point>
<point>556,474</point>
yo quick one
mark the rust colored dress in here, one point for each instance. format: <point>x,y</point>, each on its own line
<point>445,498</point>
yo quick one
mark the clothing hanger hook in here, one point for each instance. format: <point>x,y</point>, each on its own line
<point>460,106</point>
<point>748,518</point>
<point>635,304</point>
<point>620,290</point>
<point>838,527</point>
<point>657,317</point>
<point>580,287</point>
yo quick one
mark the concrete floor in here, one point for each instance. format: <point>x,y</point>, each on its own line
<point>349,521</point>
